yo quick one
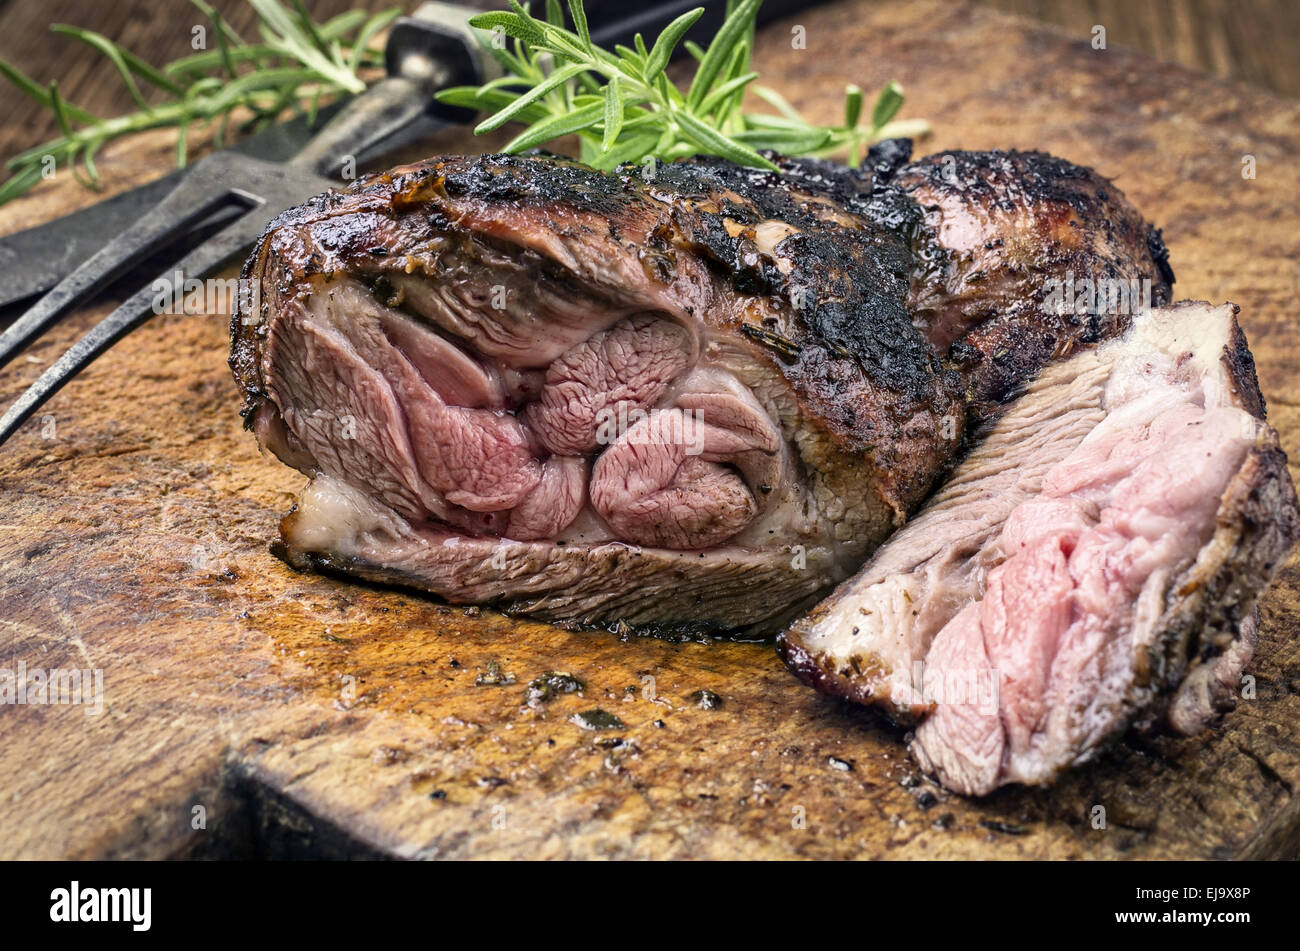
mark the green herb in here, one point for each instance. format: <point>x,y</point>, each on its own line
<point>622,107</point>
<point>298,64</point>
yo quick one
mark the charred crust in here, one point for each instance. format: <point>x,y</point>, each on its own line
<point>989,306</point>
<point>858,682</point>
<point>245,351</point>
<point>1241,369</point>
<point>848,263</point>
<point>1160,255</point>
<point>887,157</point>
<point>1042,178</point>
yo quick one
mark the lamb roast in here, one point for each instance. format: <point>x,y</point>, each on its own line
<point>701,395</point>
<point>698,394</point>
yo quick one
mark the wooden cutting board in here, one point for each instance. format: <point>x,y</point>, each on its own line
<point>310,716</point>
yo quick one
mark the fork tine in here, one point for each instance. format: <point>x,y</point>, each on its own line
<point>134,312</point>
<point>191,201</point>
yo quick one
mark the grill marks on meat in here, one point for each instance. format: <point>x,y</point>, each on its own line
<point>1095,562</point>
<point>507,376</point>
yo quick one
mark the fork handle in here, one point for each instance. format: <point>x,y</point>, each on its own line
<point>386,107</point>
<point>430,50</point>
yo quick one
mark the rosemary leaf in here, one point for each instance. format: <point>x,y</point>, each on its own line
<point>778,102</point>
<point>853,106</point>
<point>380,21</point>
<point>298,64</point>
<point>887,105</point>
<point>668,40</point>
<point>613,115</point>
<point>40,93</point>
<point>580,21</point>
<point>789,141</point>
<point>555,127</point>
<point>714,142</point>
<point>631,149</point>
<point>510,23</point>
<point>556,79</point>
<point>729,36</point>
<point>20,182</point>
<point>128,64</point>
<point>60,113</point>
<point>716,97</point>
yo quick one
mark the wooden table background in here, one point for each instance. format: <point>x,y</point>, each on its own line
<point>1250,40</point>
<point>310,716</point>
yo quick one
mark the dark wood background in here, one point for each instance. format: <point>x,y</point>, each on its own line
<point>1250,40</point>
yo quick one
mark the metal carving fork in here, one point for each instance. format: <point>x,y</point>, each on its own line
<point>432,49</point>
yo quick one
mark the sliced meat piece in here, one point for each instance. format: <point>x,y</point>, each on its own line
<point>1095,562</point>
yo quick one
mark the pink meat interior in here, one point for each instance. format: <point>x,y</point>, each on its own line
<point>612,425</point>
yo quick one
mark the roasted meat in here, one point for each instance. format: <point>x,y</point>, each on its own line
<point>1019,258</point>
<point>1094,563</point>
<point>692,397</point>
<point>697,396</point>
<point>704,396</point>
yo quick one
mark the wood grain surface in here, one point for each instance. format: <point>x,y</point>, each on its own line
<point>1249,40</point>
<point>311,716</point>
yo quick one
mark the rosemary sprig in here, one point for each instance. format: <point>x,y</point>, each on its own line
<point>298,64</point>
<point>623,108</point>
